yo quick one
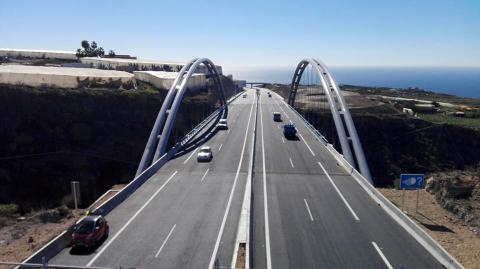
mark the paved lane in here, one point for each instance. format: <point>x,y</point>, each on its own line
<point>317,220</point>
<point>186,212</point>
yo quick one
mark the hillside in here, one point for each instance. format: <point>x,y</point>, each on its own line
<point>96,136</point>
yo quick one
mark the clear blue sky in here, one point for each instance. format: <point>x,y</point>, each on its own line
<point>241,33</point>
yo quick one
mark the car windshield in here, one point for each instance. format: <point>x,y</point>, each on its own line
<point>205,150</point>
<point>84,227</point>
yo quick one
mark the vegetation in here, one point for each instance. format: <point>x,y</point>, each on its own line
<point>95,136</point>
<point>7,210</point>
<point>92,50</point>
<point>413,93</point>
<point>468,122</point>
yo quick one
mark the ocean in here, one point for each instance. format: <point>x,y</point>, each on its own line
<point>460,81</point>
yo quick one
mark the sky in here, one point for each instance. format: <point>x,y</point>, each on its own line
<point>242,34</point>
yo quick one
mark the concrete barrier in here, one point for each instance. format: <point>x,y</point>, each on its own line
<point>393,211</point>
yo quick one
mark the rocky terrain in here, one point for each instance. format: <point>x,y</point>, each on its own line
<point>459,193</point>
<point>92,135</point>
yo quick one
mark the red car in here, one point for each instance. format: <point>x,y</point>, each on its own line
<point>88,231</point>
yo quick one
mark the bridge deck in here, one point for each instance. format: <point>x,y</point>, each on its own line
<point>175,218</point>
<point>310,226</point>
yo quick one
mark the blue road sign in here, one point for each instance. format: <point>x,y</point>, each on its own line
<point>412,181</point>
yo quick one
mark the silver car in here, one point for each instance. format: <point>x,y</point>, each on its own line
<point>205,154</point>
<point>222,124</point>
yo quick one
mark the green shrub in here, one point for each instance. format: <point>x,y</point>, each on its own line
<point>7,210</point>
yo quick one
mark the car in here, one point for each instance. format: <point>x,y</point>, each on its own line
<point>245,95</point>
<point>222,124</point>
<point>205,154</point>
<point>89,230</point>
<point>289,130</point>
<point>277,116</point>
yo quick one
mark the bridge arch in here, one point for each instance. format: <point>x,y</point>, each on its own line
<point>346,131</point>
<point>162,128</point>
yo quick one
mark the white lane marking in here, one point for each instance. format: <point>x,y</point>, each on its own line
<point>304,141</point>
<point>265,201</point>
<point>227,210</point>
<point>220,148</point>
<point>387,263</point>
<point>288,117</point>
<point>190,156</point>
<point>204,175</point>
<point>291,163</point>
<point>130,220</point>
<point>165,241</point>
<point>283,140</point>
<point>229,130</point>
<point>339,193</point>
<point>308,209</point>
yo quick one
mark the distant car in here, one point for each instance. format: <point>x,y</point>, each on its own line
<point>245,95</point>
<point>277,116</point>
<point>222,124</point>
<point>205,154</point>
<point>289,130</point>
<point>89,230</point>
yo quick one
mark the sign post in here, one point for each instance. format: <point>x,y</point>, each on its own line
<point>411,182</point>
<point>76,193</point>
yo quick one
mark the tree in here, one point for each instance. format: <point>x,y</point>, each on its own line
<point>90,50</point>
<point>436,104</point>
<point>111,53</point>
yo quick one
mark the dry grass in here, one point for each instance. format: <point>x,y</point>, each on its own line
<point>461,241</point>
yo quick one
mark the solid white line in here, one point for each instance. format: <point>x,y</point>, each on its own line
<point>308,209</point>
<point>130,220</point>
<point>190,156</point>
<point>265,201</point>
<point>311,151</point>
<point>227,210</point>
<point>291,163</point>
<point>339,193</point>
<point>387,263</point>
<point>165,241</point>
<point>204,175</point>
<point>283,140</point>
<point>288,117</point>
<point>220,148</point>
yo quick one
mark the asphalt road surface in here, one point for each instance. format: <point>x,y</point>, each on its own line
<point>307,211</point>
<point>186,215</point>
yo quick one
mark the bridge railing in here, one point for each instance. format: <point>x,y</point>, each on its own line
<point>60,242</point>
<point>393,211</point>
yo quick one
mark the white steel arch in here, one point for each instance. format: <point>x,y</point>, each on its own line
<point>158,140</point>
<point>340,113</point>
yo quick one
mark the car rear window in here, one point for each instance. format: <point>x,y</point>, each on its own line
<point>85,226</point>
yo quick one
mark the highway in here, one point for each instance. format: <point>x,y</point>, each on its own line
<point>309,213</point>
<point>186,215</point>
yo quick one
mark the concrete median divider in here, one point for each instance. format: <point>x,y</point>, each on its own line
<point>393,211</point>
<point>57,244</point>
